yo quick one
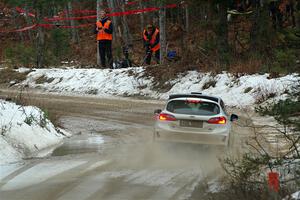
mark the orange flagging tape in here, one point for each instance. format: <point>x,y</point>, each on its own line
<point>56,19</point>
<point>130,12</point>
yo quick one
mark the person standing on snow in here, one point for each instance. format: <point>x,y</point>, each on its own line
<point>151,43</point>
<point>104,31</point>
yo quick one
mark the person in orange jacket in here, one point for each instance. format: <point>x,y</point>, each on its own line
<point>104,31</point>
<point>151,43</point>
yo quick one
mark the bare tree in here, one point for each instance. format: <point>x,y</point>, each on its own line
<point>222,32</point>
<point>99,5</point>
<point>28,21</point>
<point>74,32</point>
<point>17,26</point>
<point>186,17</point>
<point>40,38</point>
<point>162,27</point>
<point>126,32</point>
<point>141,6</point>
<point>112,6</point>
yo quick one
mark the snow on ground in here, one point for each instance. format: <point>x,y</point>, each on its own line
<point>9,169</point>
<point>40,173</point>
<point>296,195</point>
<point>243,91</point>
<point>24,132</point>
<point>88,81</point>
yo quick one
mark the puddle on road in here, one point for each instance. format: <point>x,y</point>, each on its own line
<point>91,135</point>
<point>80,144</point>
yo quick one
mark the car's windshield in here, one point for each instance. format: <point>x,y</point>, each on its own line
<point>193,107</point>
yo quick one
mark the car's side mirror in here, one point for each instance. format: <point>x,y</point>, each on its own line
<point>157,111</point>
<point>234,117</point>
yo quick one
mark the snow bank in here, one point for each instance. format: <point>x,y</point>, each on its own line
<point>88,81</point>
<point>240,91</point>
<point>24,131</point>
<point>235,91</point>
<point>296,195</point>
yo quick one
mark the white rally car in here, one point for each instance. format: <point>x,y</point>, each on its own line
<point>194,118</point>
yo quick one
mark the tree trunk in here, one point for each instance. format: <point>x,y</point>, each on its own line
<point>29,23</point>
<point>126,33</point>
<point>112,6</point>
<point>40,40</point>
<point>118,21</point>
<point>74,32</point>
<point>99,5</point>
<point>162,27</point>
<point>185,31</point>
<point>255,26</point>
<point>258,26</point>
<point>141,6</point>
<point>17,26</point>
<point>222,33</point>
<point>186,18</point>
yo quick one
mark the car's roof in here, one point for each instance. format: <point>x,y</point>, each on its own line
<point>195,95</point>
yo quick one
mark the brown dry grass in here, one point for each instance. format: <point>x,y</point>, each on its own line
<point>43,79</point>
<point>250,66</point>
<point>7,75</point>
<point>162,74</point>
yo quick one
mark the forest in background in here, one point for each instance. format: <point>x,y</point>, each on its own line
<point>238,36</point>
<point>247,36</point>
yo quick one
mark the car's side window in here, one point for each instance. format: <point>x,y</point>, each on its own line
<point>223,106</point>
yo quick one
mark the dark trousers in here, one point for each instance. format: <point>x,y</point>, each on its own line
<point>149,55</point>
<point>105,50</point>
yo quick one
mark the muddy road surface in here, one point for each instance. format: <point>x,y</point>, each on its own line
<point>110,156</point>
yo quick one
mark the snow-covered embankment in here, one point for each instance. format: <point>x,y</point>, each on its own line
<point>25,131</point>
<point>235,90</point>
